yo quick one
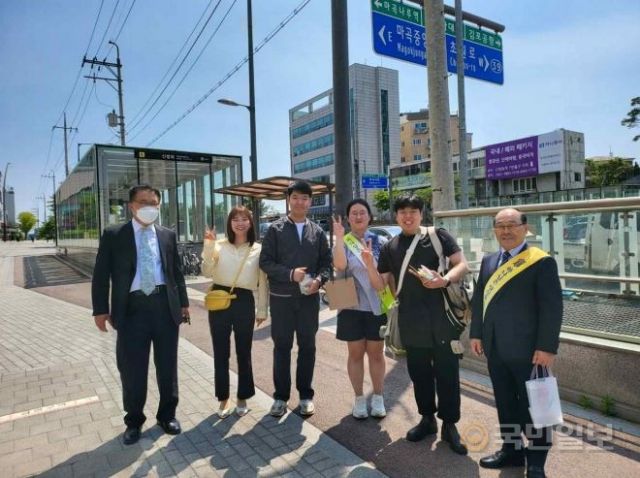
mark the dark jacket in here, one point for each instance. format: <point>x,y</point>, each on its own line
<point>282,252</point>
<point>116,262</point>
<point>524,316</point>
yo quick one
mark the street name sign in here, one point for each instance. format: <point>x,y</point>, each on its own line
<point>374,181</point>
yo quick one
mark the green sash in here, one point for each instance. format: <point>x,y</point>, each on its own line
<point>387,300</point>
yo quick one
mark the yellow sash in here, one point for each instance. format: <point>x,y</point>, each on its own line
<point>508,271</point>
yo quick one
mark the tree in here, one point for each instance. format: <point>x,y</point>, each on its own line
<point>48,229</point>
<point>381,200</point>
<point>607,173</point>
<point>26,222</point>
<point>633,117</point>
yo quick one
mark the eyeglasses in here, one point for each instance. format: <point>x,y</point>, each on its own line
<point>506,227</point>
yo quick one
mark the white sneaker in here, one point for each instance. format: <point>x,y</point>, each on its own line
<point>307,408</point>
<point>377,406</point>
<point>360,408</point>
<point>278,408</point>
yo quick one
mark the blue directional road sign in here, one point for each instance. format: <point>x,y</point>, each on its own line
<point>406,41</point>
<point>399,39</point>
<point>374,181</point>
<point>480,62</point>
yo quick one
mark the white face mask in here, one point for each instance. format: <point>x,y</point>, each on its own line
<point>148,214</point>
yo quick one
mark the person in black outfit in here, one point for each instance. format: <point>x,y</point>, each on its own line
<point>148,303</point>
<point>425,332</point>
<point>515,341</point>
<point>296,258</point>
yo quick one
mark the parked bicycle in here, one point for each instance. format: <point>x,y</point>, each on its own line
<point>190,262</point>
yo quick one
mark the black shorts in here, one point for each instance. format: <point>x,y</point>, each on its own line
<point>357,325</point>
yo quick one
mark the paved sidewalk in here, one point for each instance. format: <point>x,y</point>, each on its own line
<point>60,407</point>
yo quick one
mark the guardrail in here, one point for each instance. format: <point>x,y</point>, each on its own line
<point>596,244</point>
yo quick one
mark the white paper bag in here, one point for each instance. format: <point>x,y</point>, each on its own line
<point>544,399</point>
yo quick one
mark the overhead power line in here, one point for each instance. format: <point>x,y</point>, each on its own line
<point>106,30</point>
<point>193,44</point>
<point>93,31</point>
<point>135,116</point>
<point>124,22</point>
<point>233,71</point>
<point>193,64</point>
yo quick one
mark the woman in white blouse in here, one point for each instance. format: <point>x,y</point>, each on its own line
<point>222,261</point>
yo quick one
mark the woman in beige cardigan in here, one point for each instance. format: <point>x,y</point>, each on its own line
<point>224,259</point>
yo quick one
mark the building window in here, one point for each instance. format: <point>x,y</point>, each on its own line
<point>417,157</point>
<point>455,167</point>
<point>314,125</point>
<point>420,128</point>
<point>325,178</point>
<point>313,145</point>
<point>577,177</point>
<point>319,200</point>
<point>314,163</point>
<point>417,141</point>
<point>524,185</point>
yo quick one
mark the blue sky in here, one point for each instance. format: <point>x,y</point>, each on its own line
<point>570,64</point>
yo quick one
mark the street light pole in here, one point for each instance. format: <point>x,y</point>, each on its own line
<point>252,119</point>
<point>52,175</point>
<point>4,203</point>
<point>253,160</point>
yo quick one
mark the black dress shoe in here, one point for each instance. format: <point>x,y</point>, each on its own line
<point>171,427</point>
<point>452,437</point>
<point>502,459</point>
<point>131,435</point>
<point>534,471</point>
<point>422,430</point>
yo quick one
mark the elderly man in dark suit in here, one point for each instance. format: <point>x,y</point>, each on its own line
<point>148,304</point>
<point>517,313</point>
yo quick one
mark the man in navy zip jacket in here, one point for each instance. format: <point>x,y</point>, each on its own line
<point>297,259</point>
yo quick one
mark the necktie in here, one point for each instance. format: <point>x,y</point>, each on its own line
<point>147,277</point>
<point>505,257</point>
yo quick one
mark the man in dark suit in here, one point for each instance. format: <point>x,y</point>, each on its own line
<point>148,304</point>
<point>517,314</point>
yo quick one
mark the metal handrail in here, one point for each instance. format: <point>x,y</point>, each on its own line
<point>628,280</point>
<point>590,205</point>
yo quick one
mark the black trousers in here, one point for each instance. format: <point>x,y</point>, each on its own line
<point>435,371</point>
<point>239,318</point>
<point>148,321</point>
<point>508,379</point>
<point>291,315</point>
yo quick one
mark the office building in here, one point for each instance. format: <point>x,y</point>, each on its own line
<point>375,132</point>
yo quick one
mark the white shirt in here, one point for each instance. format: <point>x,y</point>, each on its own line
<point>157,262</point>
<point>300,227</point>
<point>513,252</point>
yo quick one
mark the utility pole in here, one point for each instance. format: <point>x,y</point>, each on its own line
<point>52,176</point>
<point>341,131</point>
<point>463,171</point>
<point>66,149</point>
<point>44,210</point>
<point>4,203</point>
<point>439,131</point>
<point>117,77</point>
